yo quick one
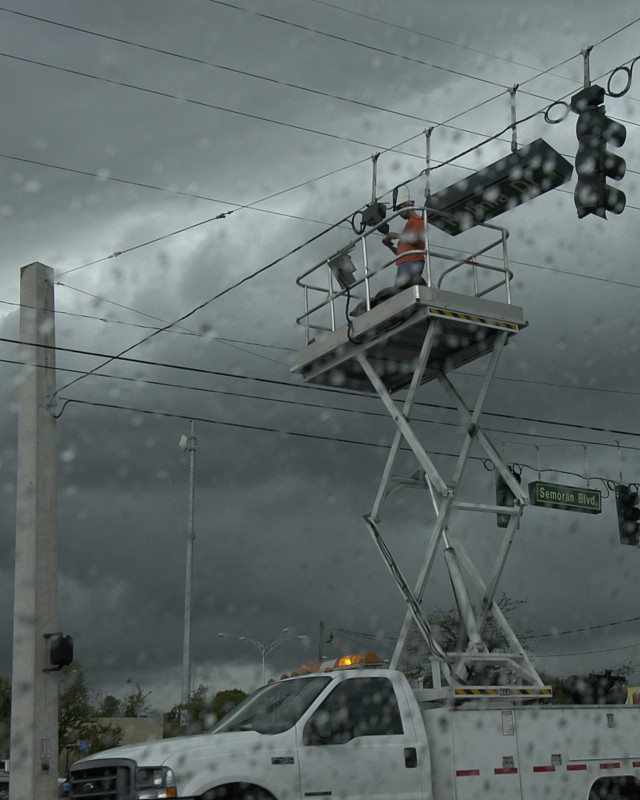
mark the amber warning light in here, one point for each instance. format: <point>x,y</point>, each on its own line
<point>354,660</point>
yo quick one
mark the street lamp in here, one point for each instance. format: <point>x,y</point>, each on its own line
<point>264,649</point>
<point>188,444</point>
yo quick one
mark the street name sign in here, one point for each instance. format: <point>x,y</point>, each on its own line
<point>569,498</point>
<point>530,171</point>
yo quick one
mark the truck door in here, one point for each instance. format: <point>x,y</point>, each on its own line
<point>360,743</point>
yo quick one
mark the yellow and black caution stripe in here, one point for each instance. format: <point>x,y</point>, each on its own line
<point>504,691</point>
<point>493,323</point>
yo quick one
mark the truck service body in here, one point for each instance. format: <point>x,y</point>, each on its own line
<point>366,734</point>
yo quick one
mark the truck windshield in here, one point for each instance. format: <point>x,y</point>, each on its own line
<point>274,708</point>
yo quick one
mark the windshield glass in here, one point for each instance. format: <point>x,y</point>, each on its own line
<point>274,708</point>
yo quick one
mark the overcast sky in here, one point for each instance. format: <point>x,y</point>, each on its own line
<point>164,153</point>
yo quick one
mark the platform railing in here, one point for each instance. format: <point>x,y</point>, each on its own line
<point>333,286</point>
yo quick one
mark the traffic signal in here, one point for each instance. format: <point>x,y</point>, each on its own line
<point>594,162</point>
<point>60,652</point>
<point>627,502</point>
<point>504,497</point>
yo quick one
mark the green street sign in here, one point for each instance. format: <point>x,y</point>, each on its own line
<point>569,498</point>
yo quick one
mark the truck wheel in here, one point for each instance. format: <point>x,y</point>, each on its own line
<point>236,792</point>
<point>4,792</point>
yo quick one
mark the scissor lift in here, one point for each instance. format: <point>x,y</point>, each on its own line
<point>417,335</point>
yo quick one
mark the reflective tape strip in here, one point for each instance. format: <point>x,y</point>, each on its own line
<point>494,323</point>
<point>574,767</point>
<point>610,765</point>
<point>463,773</point>
<point>636,763</point>
<point>544,769</point>
<point>506,771</point>
<point>505,692</point>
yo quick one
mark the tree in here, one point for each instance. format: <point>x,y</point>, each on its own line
<point>225,701</point>
<point>201,711</point>
<point>135,704</point>
<point>109,707</point>
<point>448,631</point>
<point>78,723</point>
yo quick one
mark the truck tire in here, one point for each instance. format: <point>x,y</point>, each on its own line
<point>237,791</point>
<point>4,791</point>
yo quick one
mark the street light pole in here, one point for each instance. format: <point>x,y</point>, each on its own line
<point>188,445</point>
<point>266,648</point>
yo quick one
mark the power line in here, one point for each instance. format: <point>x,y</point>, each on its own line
<point>580,630</point>
<point>191,195</point>
<point>330,226</point>
<point>192,101</point>
<point>587,652</point>
<point>260,270</point>
<point>266,429</point>
<point>423,35</point>
<point>227,340</point>
<point>200,370</point>
<point>233,70</point>
<point>303,404</point>
<point>346,40</point>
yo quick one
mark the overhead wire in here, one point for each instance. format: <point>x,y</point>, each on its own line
<point>273,382</point>
<point>262,269</point>
<point>191,101</point>
<point>373,48</point>
<point>208,337</point>
<point>298,434</point>
<point>422,35</point>
<point>223,67</point>
<point>182,230</point>
<point>451,160</point>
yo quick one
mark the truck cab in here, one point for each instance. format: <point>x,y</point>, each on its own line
<point>357,733</point>
<point>348,734</point>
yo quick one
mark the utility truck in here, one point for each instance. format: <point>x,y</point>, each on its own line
<point>360,731</point>
<point>487,728</point>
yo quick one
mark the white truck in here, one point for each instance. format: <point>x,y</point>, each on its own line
<point>363,733</point>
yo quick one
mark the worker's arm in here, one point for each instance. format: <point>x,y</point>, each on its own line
<point>388,241</point>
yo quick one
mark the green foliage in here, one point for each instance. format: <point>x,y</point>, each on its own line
<point>78,716</point>
<point>135,704</point>
<point>448,630</point>
<point>109,707</point>
<point>557,686</point>
<point>201,711</point>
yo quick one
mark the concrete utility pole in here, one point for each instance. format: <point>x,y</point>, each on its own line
<point>34,694</point>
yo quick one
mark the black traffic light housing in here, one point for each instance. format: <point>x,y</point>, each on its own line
<point>627,501</point>
<point>60,651</point>
<point>594,163</point>
<point>373,214</point>
<point>505,497</point>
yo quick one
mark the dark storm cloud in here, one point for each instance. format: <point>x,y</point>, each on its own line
<point>280,538</point>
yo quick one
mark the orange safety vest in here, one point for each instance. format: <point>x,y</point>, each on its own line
<point>411,238</point>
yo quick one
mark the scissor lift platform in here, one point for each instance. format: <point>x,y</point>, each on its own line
<point>392,333</point>
<point>418,335</point>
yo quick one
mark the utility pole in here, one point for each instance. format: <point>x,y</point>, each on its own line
<point>34,693</point>
<point>188,445</point>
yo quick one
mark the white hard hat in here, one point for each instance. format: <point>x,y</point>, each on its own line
<point>403,197</point>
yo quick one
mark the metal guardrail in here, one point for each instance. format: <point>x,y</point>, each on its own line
<point>331,285</point>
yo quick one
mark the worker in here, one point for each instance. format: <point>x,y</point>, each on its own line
<point>411,239</point>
